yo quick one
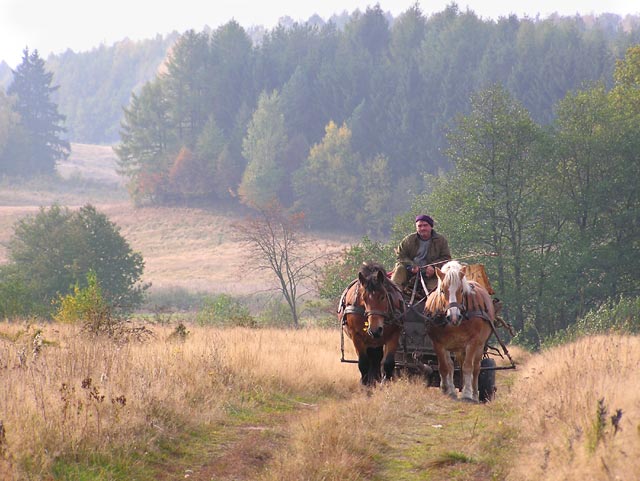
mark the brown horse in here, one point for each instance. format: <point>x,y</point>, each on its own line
<point>459,319</point>
<point>371,310</point>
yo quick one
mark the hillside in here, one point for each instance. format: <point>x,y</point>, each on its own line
<point>182,247</point>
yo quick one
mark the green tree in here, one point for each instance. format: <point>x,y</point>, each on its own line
<point>16,298</point>
<point>187,86</point>
<point>263,147</point>
<point>39,116</point>
<point>230,74</point>
<point>327,184</point>
<point>13,139</point>
<point>147,142</point>
<point>586,152</point>
<point>55,249</point>
<point>335,276</point>
<point>375,178</point>
<point>496,196</point>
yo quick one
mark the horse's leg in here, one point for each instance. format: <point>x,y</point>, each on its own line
<point>476,372</point>
<point>375,359</point>
<point>445,368</point>
<point>470,372</point>
<point>363,366</point>
<point>389,363</point>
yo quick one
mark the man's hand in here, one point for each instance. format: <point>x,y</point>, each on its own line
<point>430,271</point>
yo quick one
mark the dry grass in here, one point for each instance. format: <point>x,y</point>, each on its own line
<point>65,394</point>
<point>96,162</point>
<point>564,436</point>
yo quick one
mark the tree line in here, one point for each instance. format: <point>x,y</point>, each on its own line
<point>342,124</point>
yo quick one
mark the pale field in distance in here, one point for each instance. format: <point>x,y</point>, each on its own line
<point>182,247</point>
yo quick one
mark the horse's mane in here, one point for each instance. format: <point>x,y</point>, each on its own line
<point>476,296</point>
<point>369,270</point>
<point>451,272</point>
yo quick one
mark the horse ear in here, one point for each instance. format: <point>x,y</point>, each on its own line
<point>381,277</point>
<point>464,270</point>
<point>439,273</point>
<point>361,278</point>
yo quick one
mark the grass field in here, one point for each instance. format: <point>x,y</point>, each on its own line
<point>182,247</point>
<point>271,404</point>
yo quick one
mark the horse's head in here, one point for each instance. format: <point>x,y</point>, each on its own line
<point>375,298</point>
<point>452,284</point>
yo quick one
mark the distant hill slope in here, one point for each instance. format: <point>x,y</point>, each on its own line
<point>185,248</point>
<point>93,162</point>
<point>95,86</point>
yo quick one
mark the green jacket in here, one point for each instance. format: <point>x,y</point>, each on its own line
<point>438,250</point>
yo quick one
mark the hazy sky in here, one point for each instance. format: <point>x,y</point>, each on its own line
<point>53,26</point>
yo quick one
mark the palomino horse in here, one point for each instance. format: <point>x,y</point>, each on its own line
<point>459,315</point>
<point>371,310</point>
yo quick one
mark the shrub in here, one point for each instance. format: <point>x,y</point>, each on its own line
<point>275,313</point>
<point>86,305</point>
<point>335,277</point>
<point>54,250</point>
<point>15,297</point>
<point>622,317</point>
<point>224,310</point>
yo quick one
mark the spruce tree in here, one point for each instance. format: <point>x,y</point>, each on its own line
<point>39,117</point>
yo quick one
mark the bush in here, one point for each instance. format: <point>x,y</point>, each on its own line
<point>15,297</point>
<point>528,337</point>
<point>174,299</point>
<point>223,309</point>
<point>54,250</point>
<point>621,317</point>
<point>275,313</point>
<point>336,276</point>
<point>85,305</point>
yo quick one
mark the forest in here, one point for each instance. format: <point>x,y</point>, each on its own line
<point>231,116</point>
<point>316,116</point>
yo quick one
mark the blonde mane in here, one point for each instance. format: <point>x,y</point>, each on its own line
<point>451,272</point>
<point>476,297</point>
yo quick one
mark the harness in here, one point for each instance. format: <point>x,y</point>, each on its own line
<point>440,318</point>
<point>392,316</point>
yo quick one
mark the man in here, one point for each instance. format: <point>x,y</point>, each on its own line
<point>424,248</point>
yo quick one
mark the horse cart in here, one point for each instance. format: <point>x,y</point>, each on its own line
<point>413,351</point>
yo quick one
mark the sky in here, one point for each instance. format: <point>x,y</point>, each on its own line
<point>53,26</point>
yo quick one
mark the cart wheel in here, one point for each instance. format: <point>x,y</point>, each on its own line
<point>487,381</point>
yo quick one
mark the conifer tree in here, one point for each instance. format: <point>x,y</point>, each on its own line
<point>39,117</point>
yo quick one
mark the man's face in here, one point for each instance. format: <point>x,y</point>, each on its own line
<point>424,229</point>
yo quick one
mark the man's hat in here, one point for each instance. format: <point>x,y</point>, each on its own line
<point>425,218</point>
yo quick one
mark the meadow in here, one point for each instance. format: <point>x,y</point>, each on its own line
<point>232,403</point>
<point>184,248</point>
<point>269,404</point>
